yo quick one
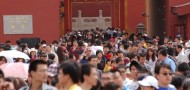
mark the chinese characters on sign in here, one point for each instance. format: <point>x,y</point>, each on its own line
<point>18,24</point>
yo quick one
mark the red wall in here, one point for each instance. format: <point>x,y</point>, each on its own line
<point>135,10</point>
<point>45,18</point>
<point>91,9</point>
<point>188,27</point>
<point>172,18</point>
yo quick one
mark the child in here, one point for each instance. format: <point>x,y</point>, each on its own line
<point>107,66</point>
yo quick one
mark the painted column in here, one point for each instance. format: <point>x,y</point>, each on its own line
<point>126,14</point>
<point>188,27</point>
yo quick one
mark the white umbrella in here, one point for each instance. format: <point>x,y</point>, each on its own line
<point>14,54</point>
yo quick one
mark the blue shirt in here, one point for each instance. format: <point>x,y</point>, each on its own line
<point>171,63</point>
<point>170,87</point>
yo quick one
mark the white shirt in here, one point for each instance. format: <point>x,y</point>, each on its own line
<point>183,56</point>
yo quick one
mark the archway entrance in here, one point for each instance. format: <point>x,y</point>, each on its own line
<point>157,17</point>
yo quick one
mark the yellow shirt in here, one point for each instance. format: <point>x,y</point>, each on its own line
<point>75,87</point>
<point>107,68</point>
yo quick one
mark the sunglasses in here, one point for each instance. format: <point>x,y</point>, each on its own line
<point>165,74</point>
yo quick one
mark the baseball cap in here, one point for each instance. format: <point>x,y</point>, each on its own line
<point>149,81</point>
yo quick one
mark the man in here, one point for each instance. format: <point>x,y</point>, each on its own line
<point>69,75</point>
<point>48,50</point>
<point>181,57</point>
<point>118,79</point>
<point>163,73</point>
<point>134,68</point>
<point>106,78</point>
<point>122,68</point>
<point>149,83</point>
<point>89,76</point>
<point>142,59</point>
<point>163,56</point>
<point>38,71</point>
<point>93,60</point>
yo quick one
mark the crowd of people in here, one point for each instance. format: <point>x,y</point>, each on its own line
<point>102,60</point>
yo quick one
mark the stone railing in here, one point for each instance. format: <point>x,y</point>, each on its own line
<point>88,23</point>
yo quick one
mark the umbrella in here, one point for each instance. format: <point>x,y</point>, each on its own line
<point>14,54</point>
<point>17,70</point>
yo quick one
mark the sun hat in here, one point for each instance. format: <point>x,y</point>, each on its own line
<point>149,81</point>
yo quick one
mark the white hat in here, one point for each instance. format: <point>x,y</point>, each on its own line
<point>33,49</point>
<point>187,44</point>
<point>149,81</point>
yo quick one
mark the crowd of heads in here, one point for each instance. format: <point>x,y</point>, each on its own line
<point>107,60</point>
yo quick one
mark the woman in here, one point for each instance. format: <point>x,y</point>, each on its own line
<point>3,60</point>
<point>32,54</point>
<point>101,60</point>
<point>151,58</point>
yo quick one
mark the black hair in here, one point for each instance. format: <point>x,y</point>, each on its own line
<point>43,42</point>
<point>85,70</point>
<point>33,65</point>
<point>121,66</point>
<point>1,74</point>
<point>92,56</point>
<point>186,84</point>
<point>111,86</point>
<point>55,42</point>
<point>135,64</point>
<point>163,52</point>
<point>3,57</point>
<point>183,67</point>
<point>161,65</point>
<point>141,55</point>
<point>119,59</point>
<point>98,51</point>
<point>119,51</point>
<point>72,69</point>
<point>97,87</point>
<point>18,42</point>
<point>177,81</point>
<point>7,47</point>
<point>51,56</point>
<point>131,56</point>
<point>179,46</point>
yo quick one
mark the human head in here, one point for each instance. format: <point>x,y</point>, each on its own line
<point>162,54</point>
<point>179,48</point>
<point>38,70</point>
<point>106,78</point>
<point>89,74</point>
<point>43,56</point>
<point>88,51</point>
<point>120,54</point>
<point>183,68</point>
<point>177,81</point>
<point>99,53</point>
<point>3,60</point>
<point>93,60</point>
<point>149,83</point>
<point>117,77</point>
<point>119,60</point>
<point>141,58</point>
<point>111,86</point>
<point>163,73</point>
<point>20,60</point>
<point>150,54</point>
<point>186,84</point>
<point>134,67</point>
<point>122,68</point>
<point>69,72</point>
